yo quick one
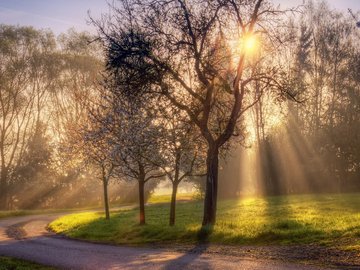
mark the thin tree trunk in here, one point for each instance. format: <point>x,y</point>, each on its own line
<point>3,198</point>
<point>210,201</point>
<point>142,201</point>
<point>106,198</point>
<point>3,191</point>
<point>173,204</point>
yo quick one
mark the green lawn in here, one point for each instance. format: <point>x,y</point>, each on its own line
<point>321,219</point>
<point>166,198</point>
<point>7,263</point>
<point>15,213</point>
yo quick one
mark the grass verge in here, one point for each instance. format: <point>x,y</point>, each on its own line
<point>15,213</point>
<point>7,263</point>
<point>300,219</point>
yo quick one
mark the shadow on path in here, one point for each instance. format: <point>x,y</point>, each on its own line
<point>191,259</point>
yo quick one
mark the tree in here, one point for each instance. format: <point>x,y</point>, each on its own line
<point>24,76</point>
<point>135,136</point>
<point>77,110</point>
<point>181,149</point>
<point>96,149</point>
<point>78,71</point>
<point>34,174</point>
<point>79,66</point>
<point>196,54</point>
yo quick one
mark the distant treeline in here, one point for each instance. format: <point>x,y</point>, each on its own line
<point>42,79</point>
<point>316,148</point>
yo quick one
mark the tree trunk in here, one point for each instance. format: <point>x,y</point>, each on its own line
<point>142,201</point>
<point>3,198</point>
<point>3,191</point>
<point>212,164</point>
<point>173,204</point>
<point>106,199</point>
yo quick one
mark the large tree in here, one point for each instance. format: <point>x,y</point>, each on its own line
<point>198,55</point>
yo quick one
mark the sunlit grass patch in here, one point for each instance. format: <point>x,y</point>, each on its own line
<point>165,198</point>
<point>300,219</point>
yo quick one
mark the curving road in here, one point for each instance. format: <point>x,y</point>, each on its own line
<point>26,237</point>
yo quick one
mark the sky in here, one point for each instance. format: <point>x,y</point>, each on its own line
<point>60,15</point>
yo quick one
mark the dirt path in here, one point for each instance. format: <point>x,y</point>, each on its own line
<point>26,237</point>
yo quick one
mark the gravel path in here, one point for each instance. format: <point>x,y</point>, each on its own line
<point>26,237</point>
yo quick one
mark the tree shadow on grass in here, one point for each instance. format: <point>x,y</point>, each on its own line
<point>283,227</point>
<point>270,221</point>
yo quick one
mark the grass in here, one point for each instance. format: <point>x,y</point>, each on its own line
<point>7,263</point>
<point>167,197</point>
<point>154,199</point>
<point>15,213</point>
<point>300,219</point>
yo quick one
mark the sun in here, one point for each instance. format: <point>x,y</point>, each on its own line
<point>247,44</point>
<point>250,43</point>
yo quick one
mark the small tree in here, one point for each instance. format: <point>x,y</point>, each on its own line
<point>136,138</point>
<point>88,144</point>
<point>99,153</point>
<point>182,151</point>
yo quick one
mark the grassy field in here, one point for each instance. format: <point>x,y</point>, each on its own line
<point>7,263</point>
<point>15,213</point>
<point>320,219</point>
<point>167,197</point>
<point>152,200</point>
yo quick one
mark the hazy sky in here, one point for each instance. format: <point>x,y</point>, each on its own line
<point>60,15</point>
